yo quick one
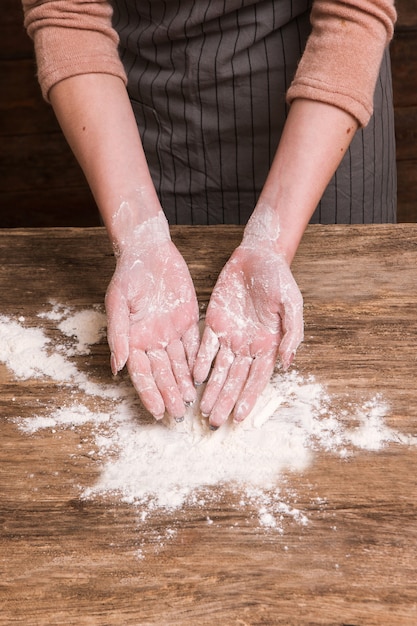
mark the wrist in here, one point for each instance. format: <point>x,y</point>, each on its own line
<point>266,229</point>
<point>137,235</point>
<point>263,227</point>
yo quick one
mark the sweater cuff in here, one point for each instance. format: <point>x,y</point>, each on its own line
<point>303,88</point>
<point>75,53</point>
<point>341,62</point>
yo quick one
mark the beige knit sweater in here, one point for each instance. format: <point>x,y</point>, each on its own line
<point>340,64</point>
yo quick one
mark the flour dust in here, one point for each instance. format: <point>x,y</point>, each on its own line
<point>171,466</point>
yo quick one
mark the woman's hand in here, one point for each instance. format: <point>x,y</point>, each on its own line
<point>255,314</point>
<point>152,317</point>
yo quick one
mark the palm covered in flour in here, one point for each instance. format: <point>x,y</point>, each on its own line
<point>254,315</point>
<point>152,316</point>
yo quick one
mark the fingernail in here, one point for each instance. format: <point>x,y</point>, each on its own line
<point>205,415</point>
<point>113,364</point>
<point>212,427</point>
<point>179,419</point>
<point>189,403</point>
<point>286,364</point>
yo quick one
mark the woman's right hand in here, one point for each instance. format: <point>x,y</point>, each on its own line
<point>152,320</point>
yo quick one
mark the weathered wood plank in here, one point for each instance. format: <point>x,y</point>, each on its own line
<point>67,562</point>
<point>406,132</point>
<point>407,14</point>
<point>407,190</point>
<point>14,42</point>
<point>34,162</point>
<point>41,207</point>
<point>404,64</point>
<point>23,110</point>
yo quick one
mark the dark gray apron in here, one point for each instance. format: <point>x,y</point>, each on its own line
<point>207,81</point>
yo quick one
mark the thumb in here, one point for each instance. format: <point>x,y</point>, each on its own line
<point>293,331</point>
<point>118,324</point>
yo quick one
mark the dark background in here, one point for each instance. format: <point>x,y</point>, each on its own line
<point>42,185</point>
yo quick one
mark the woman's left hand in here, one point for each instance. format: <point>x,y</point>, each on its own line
<point>254,316</point>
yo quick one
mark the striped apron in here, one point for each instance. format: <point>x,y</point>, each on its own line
<point>207,80</point>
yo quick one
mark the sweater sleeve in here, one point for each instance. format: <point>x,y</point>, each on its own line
<point>341,61</point>
<point>72,37</point>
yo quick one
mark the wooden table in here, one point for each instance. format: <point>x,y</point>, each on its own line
<point>67,561</point>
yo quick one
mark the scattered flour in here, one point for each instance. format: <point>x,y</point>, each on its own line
<point>71,416</point>
<point>21,349</point>
<point>88,327</point>
<point>29,353</point>
<point>56,312</point>
<point>165,465</point>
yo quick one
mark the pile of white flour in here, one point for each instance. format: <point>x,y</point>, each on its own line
<point>170,466</point>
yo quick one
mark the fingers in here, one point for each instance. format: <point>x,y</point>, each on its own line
<point>259,375</point>
<point>235,384</point>
<point>143,381</point>
<point>293,330</point>
<point>208,349</point>
<point>221,404</point>
<point>191,343</point>
<point>176,352</point>
<point>236,380</point>
<point>118,326</point>
<point>152,375</point>
<point>217,381</point>
<point>162,379</point>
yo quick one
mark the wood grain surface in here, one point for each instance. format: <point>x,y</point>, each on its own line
<point>66,561</point>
